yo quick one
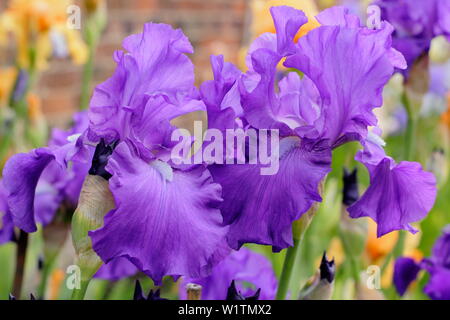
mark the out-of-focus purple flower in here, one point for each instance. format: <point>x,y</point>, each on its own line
<point>438,266</point>
<point>435,100</point>
<point>116,269</point>
<point>416,23</point>
<point>166,220</point>
<point>37,182</point>
<point>249,270</point>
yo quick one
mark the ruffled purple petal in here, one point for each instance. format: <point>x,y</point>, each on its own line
<point>398,195</point>
<point>222,92</point>
<point>37,182</point>
<point>47,200</point>
<point>20,177</point>
<point>155,67</point>
<point>166,221</point>
<point>287,22</point>
<point>248,269</point>
<point>349,67</point>
<point>261,208</point>
<point>6,223</point>
<point>405,272</point>
<point>116,269</point>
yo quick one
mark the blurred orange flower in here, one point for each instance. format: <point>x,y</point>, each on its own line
<point>445,118</point>
<point>379,247</point>
<point>32,22</point>
<point>263,21</point>
<point>7,79</point>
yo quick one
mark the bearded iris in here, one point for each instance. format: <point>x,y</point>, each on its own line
<point>345,67</point>
<point>172,219</point>
<point>153,83</point>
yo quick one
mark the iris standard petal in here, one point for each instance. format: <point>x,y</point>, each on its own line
<point>349,67</point>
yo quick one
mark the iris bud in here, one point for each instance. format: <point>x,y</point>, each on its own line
<point>233,294</point>
<point>152,295</point>
<point>323,284</point>
<point>95,201</point>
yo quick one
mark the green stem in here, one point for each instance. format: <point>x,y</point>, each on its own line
<point>94,28</point>
<point>352,259</point>
<point>78,294</point>
<point>288,267</point>
<point>88,71</point>
<point>46,271</point>
<point>299,228</point>
<point>22,244</point>
<point>410,129</point>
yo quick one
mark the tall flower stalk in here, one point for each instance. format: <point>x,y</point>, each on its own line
<point>299,227</point>
<point>95,24</point>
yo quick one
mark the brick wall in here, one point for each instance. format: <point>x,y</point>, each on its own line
<point>213,26</point>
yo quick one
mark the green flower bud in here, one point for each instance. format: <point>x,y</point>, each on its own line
<point>323,284</point>
<point>95,201</point>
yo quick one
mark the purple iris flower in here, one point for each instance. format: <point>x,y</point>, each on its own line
<point>249,270</point>
<point>166,220</point>
<point>345,67</point>
<point>36,183</point>
<point>416,23</point>
<point>406,270</point>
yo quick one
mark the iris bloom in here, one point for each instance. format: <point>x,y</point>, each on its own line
<point>170,219</point>
<point>438,266</point>
<point>249,270</point>
<point>36,183</point>
<point>166,220</point>
<point>345,67</point>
